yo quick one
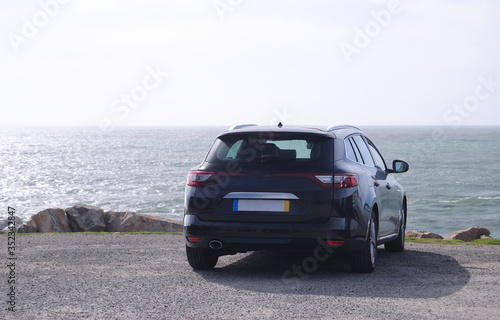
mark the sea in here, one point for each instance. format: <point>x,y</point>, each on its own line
<point>453,182</point>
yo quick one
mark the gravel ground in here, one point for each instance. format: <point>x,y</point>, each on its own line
<point>118,276</point>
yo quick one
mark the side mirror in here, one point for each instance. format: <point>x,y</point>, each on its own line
<point>399,166</point>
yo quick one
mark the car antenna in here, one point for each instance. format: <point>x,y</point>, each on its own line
<point>280,125</point>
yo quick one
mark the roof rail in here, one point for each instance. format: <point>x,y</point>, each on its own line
<point>239,126</point>
<point>331,128</point>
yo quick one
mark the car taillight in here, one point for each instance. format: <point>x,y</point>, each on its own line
<point>204,178</point>
<point>200,178</point>
<point>335,243</point>
<point>345,180</point>
<point>193,239</point>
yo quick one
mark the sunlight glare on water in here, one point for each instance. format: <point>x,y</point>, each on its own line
<point>453,182</point>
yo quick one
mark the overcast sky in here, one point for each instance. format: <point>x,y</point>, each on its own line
<point>221,62</point>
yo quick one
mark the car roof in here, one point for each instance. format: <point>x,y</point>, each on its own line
<point>332,131</point>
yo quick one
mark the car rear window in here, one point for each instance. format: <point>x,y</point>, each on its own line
<point>273,149</point>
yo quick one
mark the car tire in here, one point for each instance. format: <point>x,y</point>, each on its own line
<point>201,258</point>
<point>398,244</point>
<point>364,260</point>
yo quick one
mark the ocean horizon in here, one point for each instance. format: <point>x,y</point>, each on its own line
<point>453,182</point>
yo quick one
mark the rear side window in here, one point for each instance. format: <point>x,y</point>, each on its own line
<point>273,149</point>
<point>349,150</point>
<point>366,157</point>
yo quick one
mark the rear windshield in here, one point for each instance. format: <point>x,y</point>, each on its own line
<point>286,150</point>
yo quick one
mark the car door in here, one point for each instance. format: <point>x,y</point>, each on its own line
<point>391,214</point>
<point>378,182</point>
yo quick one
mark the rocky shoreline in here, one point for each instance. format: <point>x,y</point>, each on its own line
<point>467,235</point>
<point>86,218</point>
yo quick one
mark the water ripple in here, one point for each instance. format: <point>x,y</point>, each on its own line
<point>452,183</point>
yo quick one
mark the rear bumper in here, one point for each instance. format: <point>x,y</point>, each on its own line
<point>253,236</point>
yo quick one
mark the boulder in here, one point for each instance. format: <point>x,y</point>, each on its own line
<point>85,218</point>
<point>136,222</point>
<point>26,228</point>
<point>486,237</point>
<point>4,224</point>
<point>422,234</point>
<point>468,234</point>
<point>50,220</point>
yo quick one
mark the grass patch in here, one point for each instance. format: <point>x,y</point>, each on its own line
<point>487,242</point>
<point>478,242</point>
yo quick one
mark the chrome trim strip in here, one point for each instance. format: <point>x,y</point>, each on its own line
<point>393,235</point>
<point>261,195</point>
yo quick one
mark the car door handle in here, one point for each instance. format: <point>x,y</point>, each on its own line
<point>375,182</point>
<point>388,186</point>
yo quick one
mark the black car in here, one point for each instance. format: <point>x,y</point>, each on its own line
<point>287,187</point>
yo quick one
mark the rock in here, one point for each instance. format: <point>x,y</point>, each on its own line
<point>468,234</point>
<point>85,218</point>
<point>135,222</point>
<point>50,220</point>
<point>422,234</point>
<point>26,228</point>
<point>93,219</point>
<point>4,224</point>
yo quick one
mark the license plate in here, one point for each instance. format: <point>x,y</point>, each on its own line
<point>261,205</point>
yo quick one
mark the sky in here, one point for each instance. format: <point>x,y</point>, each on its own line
<point>222,62</point>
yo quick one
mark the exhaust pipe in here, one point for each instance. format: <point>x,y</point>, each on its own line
<point>215,244</point>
